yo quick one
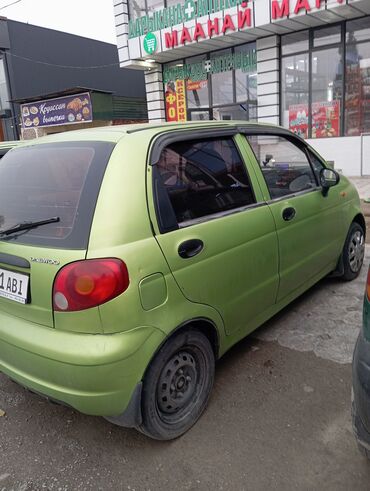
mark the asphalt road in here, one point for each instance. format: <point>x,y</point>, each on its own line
<point>279,418</point>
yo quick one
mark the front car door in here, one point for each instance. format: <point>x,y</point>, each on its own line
<point>216,233</point>
<point>309,225</point>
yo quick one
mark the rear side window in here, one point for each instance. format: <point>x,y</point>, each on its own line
<point>204,177</point>
<point>284,166</point>
<point>42,181</point>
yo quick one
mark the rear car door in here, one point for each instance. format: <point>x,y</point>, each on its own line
<point>309,225</point>
<point>216,234</point>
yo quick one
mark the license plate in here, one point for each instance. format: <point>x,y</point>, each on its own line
<point>14,286</point>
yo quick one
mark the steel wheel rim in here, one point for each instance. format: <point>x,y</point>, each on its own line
<point>356,251</point>
<point>180,385</point>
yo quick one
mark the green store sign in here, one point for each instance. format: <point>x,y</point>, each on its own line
<point>245,61</point>
<point>177,14</point>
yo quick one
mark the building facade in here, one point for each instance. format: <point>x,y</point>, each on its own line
<point>304,64</point>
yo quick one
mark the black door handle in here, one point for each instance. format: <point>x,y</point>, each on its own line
<point>190,248</point>
<point>288,213</point>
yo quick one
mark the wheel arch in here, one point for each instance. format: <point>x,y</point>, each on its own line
<point>359,218</point>
<point>201,324</point>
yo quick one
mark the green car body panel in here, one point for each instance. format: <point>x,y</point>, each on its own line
<point>254,263</point>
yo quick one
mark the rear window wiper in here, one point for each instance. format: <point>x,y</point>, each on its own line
<point>28,225</point>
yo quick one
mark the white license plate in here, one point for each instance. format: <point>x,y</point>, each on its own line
<point>13,286</point>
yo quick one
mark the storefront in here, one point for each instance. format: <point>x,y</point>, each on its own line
<point>75,109</point>
<point>304,64</point>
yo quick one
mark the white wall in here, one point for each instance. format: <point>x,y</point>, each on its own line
<point>346,153</point>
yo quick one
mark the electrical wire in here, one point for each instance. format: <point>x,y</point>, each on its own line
<point>10,4</point>
<point>61,66</point>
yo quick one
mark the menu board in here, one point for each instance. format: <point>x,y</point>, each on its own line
<point>53,112</point>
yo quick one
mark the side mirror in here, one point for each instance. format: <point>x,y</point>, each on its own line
<point>328,179</point>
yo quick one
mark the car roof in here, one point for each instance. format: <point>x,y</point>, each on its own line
<point>115,133</point>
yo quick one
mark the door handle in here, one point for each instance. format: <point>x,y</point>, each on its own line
<point>190,248</point>
<point>288,213</point>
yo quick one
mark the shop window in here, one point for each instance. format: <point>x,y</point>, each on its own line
<point>204,177</point>
<point>294,43</point>
<point>245,79</point>
<point>357,93</point>
<point>327,35</point>
<point>219,85</point>
<point>4,93</point>
<point>153,5</point>
<point>236,112</point>
<point>198,87</point>
<point>222,82</point>
<point>358,30</point>
<point>327,79</point>
<point>294,94</point>
<point>137,8</point>
<point>284,166</point>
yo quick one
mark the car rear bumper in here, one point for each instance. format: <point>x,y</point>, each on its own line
<point>361,391</point>
<point>95,374</point>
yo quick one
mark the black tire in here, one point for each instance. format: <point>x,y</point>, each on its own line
<point>177,385</point>
<point>353,252</point>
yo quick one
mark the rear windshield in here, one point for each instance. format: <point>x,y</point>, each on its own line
<point>52,180</point>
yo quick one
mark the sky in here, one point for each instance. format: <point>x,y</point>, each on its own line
<point>88,18</point>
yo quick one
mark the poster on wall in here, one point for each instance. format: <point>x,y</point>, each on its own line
<point>325,119</point>
<point>175,100</point>
<point>298,119</point>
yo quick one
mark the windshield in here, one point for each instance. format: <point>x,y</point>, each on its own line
<point>52,180</point>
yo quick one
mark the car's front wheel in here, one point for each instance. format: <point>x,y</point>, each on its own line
<point>353,252</point>
<point>177,385</point>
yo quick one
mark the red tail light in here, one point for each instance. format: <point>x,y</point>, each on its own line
<point>89,283</point>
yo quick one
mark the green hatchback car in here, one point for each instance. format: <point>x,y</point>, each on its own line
<point>133,257</point>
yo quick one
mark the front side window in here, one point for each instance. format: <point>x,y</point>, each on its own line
<point>204,177</point>
<point>284,166</point>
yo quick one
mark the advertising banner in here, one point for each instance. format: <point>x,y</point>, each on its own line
<point>71,109</point>
<point>181,100</point>
<point>175,101</point>
<point>298,119</point>
<point>325,119</point>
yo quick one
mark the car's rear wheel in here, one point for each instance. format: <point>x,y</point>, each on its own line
<point>177,385</point>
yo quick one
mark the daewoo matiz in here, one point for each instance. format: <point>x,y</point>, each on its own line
<point>132,258</point>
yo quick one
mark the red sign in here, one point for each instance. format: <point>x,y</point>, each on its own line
<point>298,119</point>
<point>181,101</point>
<point>325,119</point>
<point>282,8</point>
<point>214,27</point>
<point>171,101</point>
<point>175,101</point>
<point>200,84</point>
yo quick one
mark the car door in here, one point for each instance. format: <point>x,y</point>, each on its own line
<point>215,232</point>
<point>309,224</point>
